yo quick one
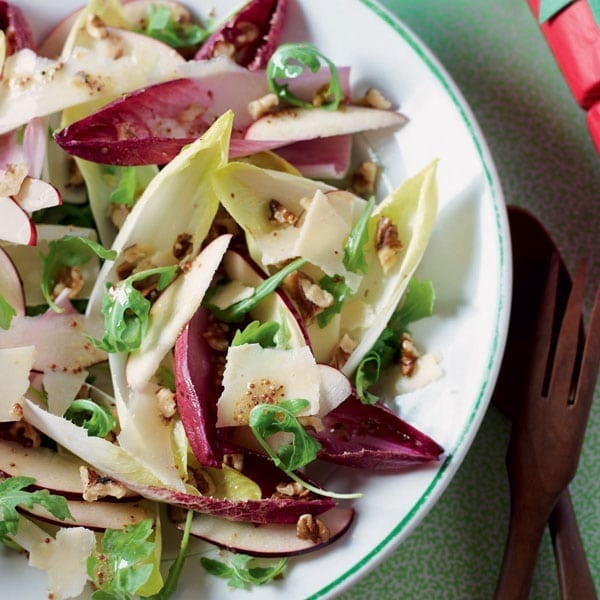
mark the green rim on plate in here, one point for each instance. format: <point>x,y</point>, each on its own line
<point>455,457</point>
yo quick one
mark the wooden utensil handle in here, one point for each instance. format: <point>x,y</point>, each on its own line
<point>520,555</point>
<point>574,576</point>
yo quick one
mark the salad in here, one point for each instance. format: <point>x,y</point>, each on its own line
<point>199,295</point>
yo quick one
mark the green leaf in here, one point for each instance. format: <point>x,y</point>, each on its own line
<point>244,571</point>
<point>162,26</point>
<point>7,312</point>
<point>120,567</point>
<point>166,378</point>
<point>354,255</point>
<point>68,251</point>
<point>98,421</point>
<point>126,190</point>
<point>340,291</point>
<point>417,304</point>
<point>13,494</point>
<point>289,61</point>
<point>126,311</point>
<point>257,333</point>
<point>174,573</point>
<point>237,310</point>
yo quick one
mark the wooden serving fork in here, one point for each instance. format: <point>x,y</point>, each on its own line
<point>546,441</point>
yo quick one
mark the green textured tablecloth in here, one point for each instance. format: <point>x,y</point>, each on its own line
<point>538,139</point>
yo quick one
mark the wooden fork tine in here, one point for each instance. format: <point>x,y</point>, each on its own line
<point>566,355</point>
<point>543,329</point>
<point>590,360</point>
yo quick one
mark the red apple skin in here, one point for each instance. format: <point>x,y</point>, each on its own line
<point>269,541</point>
<point>16,28</point>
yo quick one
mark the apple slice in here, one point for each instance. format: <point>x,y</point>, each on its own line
<point>296,124</point>
<point>11,287</point>
<point>97,515</point>
<point>36,194</point>
<point>16,225</point>
<point>15,364</point>
<point>270,540</point>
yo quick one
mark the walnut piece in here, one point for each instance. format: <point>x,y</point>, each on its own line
<point>235,461</point>
<point>134,258</point>
<point>246,33</point>
<point>282,215</point>
<point>364,178</point>
<point>312,528</point>
<point>12,177</point>
<point>166,403</point>
<point>373,98</point>
<point>290,489</point>
<point>223,48</point>
<point>68,278</point>
<point>409,355</point>
<point>24,433</point>
<point>202,481</point>
<point>342,351</point>
<point>308,296</point>
<point>96,486</point>
<point>387,243</point>
<point>263,106</point>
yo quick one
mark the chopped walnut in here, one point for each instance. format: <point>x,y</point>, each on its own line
<point>262,106</point>
<point>364,178</point>
<point>202,481</point>
<point>312,421</point>
<point>96,486</point>
<point>342,351</point>
<point>217,335</point>
<point>246,33</point>
<point>12,177</point>
<point>235,461</point>
<point>97,29</point>
<point>409,355</point>
<point>183,246</point>
<point>135,258</point>
<point>223,48</point>
<point>290,489</point>
<point>373,98</point>
<point>24,433</point>
<point>280,214</point>
<point>312,528</point>
<point>387,243</point>
<point>308,296</point>
<point>321,96</point>
<point>68,278</point>
<point>118,214</point>
<point>222,223</point>
<point>166,403</point>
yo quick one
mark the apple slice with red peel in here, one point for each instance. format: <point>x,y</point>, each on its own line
<point>11,287</point>
<point>16,225</point>
<point>270,540</point>
<point>296,124</point>
<point>36,194</point>
<point>98,515</point>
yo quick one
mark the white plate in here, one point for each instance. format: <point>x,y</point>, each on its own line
<point>468,260</point>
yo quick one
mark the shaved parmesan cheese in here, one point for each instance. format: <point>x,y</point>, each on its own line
<point>64,559</point>
<point>62,388</point>
<point>255,375</point>
<point>15,364</point>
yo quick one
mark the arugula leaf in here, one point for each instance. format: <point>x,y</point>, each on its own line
<point>175,570</point>
<point>289,61</point>
<point>245,571</point>
<point>13,494</point>
<point>417,304</point>
<point>268,419</point>
<point>120,567</point>
<point>126,311</point>
<point>162,26</point>
<point>125,192</point>
<point>257,333</point>
<point>7,312</point>
<point>340,291</point>
<point>237,310</point>
<point>68,251</point>
<point>166,378</point>
<point>354,255</point>
<point>98,421</point>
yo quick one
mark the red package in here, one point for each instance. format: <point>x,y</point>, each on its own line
<point>593,123</point>
<point>574,38</point>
